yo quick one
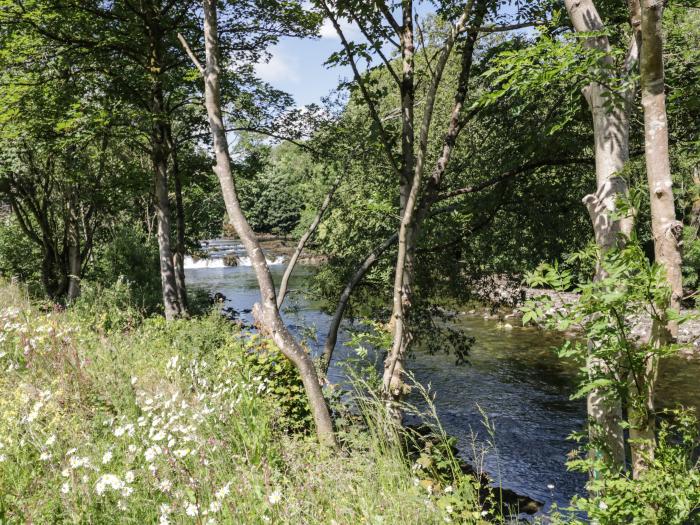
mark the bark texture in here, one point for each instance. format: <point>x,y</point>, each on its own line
<point>74,259</point>
<point>666,229</point>
<point>611,145</point>
<point>179,252</point>
<point>159,159</point>
<point>267,312</point>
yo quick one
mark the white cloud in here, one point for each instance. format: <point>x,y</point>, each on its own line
<point>350,31</point>
<point>280,68</point>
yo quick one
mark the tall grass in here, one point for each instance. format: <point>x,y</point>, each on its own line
<point>106,417</point>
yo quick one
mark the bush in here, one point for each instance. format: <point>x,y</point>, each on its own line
<point>668,493</point>
<point>19,256</point>
<point>132,257</point>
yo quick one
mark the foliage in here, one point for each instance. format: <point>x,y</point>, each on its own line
<point>615,363</point>
<point>18,254</point>
<point>131,256</point>
<point>668,493</point>
<point>171,423</point>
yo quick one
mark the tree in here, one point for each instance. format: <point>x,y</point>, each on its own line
<point>666,230</point>
<point>611,138</point>
<point>266,312</point>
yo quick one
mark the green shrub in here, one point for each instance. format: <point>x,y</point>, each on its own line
<point>668,493</point>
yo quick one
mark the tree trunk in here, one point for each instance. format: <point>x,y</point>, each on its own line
<point>304,239</point>
<point>179,255</point>
<point>666,229</point>
<point>410,225</point>
<point>611,144</point>
<point>74,259</point>
<point>267,312</point>
<point>360,271</point>
<point>159,158</point>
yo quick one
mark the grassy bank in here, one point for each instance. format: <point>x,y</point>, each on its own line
<point>107,417</point>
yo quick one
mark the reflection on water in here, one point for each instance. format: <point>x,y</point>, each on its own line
<point>514,378</point>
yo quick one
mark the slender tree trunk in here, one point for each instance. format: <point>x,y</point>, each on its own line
<point>357,276</point>
<point>267,312</point>
<point>179,255</point>
<point>159,159</point>
<point>74,259</point>
<point>666,229</point>
<point>410,225</point>
<point>304,239</point>
<point>611,144</point>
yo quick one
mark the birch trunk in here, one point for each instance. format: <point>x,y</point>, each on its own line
<point>266,312</point>
<point>611,145</point>
<point>666,229</point>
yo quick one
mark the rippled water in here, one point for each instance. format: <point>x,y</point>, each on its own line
<point>513,377</point>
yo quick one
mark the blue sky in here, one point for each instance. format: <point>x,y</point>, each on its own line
<point>297,66</point>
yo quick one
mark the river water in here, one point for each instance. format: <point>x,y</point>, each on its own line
<point>513,378</point>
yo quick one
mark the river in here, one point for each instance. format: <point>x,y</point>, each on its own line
<point>513,377</point>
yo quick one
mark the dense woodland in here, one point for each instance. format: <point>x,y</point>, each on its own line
<point>476,147</point>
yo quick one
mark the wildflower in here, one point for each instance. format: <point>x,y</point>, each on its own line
<point>152,452</point>
<point>127,491</point>
<point>214,506</point>
<point>51,440</point>
<point>45,456</point>
<point>132,449</point>
<point>65,472</point>
<point>163,520</point>
<point>191,509</point>
<point>165,508</point>
<point>129,476</point>
<point>223,491</point>
<point>181,452</point>
<point>484,513</point>
<point>119,431</point>
<point>275,497</point>
<point>602,505</point>
<point>448,489</point>
<point>449,509</point>
<point>108,481</point>
<point>3,457</point>
<point>78,462</point>
<point>165,485</point>
<point>160,436</point>
<point>65,488</point>
<point>133,380</point>
<point>121,505</point>
<point>107,457</point>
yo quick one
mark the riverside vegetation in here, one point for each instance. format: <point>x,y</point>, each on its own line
<point>110,417</point>
<point>471,141</point>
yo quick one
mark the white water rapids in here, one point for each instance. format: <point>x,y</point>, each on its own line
<point>216,260</point>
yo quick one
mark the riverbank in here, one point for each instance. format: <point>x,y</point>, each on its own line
<point>510,316</point>
<point>106,416</point>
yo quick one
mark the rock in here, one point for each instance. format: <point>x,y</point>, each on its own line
<point>230,260</point>
<point>217,298</point>
<point>507,326</point>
